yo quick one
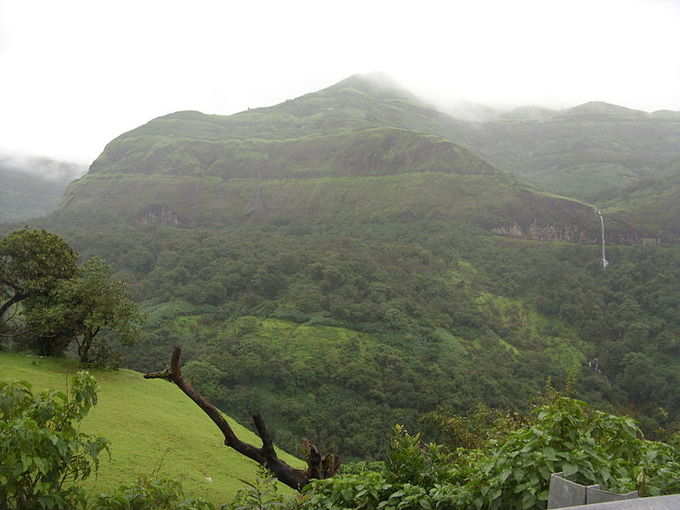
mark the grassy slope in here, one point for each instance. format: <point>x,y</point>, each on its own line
<point>149,424</point>
<point>377,151</point>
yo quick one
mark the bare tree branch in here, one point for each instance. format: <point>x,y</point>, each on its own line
<point>318,466</point>
<point>11,302</point>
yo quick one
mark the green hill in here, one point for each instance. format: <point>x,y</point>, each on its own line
<point>652,203</point>
<point>152,427</point>
<point>592,151</point>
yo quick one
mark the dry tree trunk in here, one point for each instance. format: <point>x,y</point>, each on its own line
<point>318,466</point>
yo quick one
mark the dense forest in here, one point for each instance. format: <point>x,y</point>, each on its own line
<point>339,332</point>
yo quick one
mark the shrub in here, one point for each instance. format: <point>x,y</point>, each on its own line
<point>43,453</point>
<point>150,494</point>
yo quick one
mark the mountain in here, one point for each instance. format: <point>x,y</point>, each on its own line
<point>652,203</point>
<point>362,150</point>
<point>528,114</point>
<point>590,152</point>
<point>33,187</point>
<point>603,111</point>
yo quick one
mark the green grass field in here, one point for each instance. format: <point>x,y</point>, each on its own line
<point>152,427</point>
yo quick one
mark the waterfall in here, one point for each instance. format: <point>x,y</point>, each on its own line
<point>604,258</point>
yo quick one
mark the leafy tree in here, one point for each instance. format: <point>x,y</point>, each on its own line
<point>32,262</point>
<point>409,461</point>
<point>42,450</point>
<point>473,430</point>
<point>83,308</point>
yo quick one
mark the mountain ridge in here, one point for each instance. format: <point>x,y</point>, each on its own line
<point>358,128</point>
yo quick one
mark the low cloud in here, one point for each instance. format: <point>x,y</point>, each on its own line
<point>47,168</point>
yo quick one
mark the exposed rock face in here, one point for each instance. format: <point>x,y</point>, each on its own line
<point>159,215</point>
<point>569,233</point>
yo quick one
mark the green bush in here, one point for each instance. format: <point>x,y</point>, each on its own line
<point>43,453</point>
<point>261,495</point>
<point>150,494</point>
<point>512,473</point>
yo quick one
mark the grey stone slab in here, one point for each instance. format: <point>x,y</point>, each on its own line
<point>564,493</point>
<point>595,494</point>
<point>656,503</point>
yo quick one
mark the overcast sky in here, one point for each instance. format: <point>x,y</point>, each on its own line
<point>76,73</point>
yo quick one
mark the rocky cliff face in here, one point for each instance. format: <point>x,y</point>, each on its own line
<point>568,233</point>
<point>159,215</point>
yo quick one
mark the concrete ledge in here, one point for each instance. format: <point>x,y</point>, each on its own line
<point>564,493</point>
<point>594,494</point>
<point>656,503</point>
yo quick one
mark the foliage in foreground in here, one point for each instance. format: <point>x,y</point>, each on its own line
<point>43,452</point>
<point>261,495</point>
<point>150,494</point>
<point>588,446</point>
<point>45,458</point>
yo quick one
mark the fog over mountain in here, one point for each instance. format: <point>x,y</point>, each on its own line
<point>71,83</point>
<point>32,186</point>
<point>40,166</point>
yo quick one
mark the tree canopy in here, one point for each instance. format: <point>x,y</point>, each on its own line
<point>32,262</point>
<point>62,302</point>
<point>84,309</point>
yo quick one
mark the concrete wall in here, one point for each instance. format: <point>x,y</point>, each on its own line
<point>655,503</point>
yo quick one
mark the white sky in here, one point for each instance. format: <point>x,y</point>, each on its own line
<point>76,73</point>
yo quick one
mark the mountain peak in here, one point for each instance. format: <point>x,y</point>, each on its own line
<point>374,84</point>
<point>603,109</point>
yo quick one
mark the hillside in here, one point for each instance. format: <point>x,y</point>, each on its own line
<point>340,329</point>
<point>152,427</point>
<point>592,151</point>
<point>653,202</point>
